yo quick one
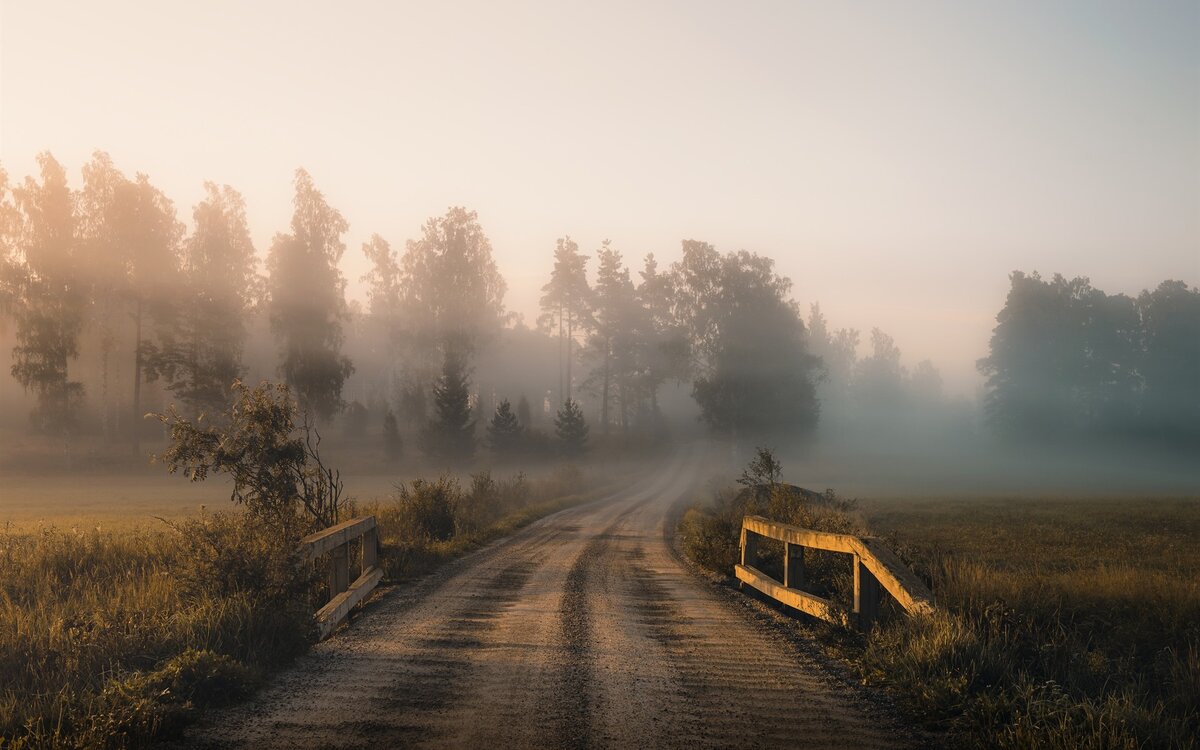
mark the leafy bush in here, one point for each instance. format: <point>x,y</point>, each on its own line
<point>275,465</point>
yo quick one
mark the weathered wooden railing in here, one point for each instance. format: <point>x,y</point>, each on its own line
<point>875,567</point>
<point>334,543</point>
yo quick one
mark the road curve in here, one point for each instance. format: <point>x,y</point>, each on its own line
<point>583,630</point>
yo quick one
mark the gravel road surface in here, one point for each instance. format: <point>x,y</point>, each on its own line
<point>582,630</point>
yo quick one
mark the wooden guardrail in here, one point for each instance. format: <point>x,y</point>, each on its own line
<point>876,569</point>
<point>334,543</point>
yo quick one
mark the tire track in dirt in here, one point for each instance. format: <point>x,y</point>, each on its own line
<point>576,728</point>
<point>583,630</point>
<point>739,684</point>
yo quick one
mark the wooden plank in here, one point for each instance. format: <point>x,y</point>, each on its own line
<point>339,570</point>
<point>889,570</point>
<point>370,548</point>
<point>785,532</point>
<point>801,600</point>
<point>794,575</point>
<point>321,542</point>
<point>894,576</point>
<point>866,595</point>
<point>336,610</point>
<point>749,548</point>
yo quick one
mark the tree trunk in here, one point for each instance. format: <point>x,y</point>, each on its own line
<point>137,376</point>
<point>570,335</point>
<point>561,337</point>
<point>604,396</point>
<point>622,395</point>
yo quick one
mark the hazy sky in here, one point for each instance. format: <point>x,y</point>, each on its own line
<point>898,159</point>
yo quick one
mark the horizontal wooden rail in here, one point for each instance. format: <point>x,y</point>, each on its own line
<point>315,545</point>
<point>334,542</point>
<point>876,569</point>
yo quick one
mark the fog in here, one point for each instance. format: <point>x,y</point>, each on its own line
<point>835,231</point>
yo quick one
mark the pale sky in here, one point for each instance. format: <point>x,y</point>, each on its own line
<point>897,159</point>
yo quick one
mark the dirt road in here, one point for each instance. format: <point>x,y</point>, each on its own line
<point>583,630</point>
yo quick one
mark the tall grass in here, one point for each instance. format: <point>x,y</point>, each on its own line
<point>427,523</point>
<point>1063,623</point>
<point>107,638</point>
<point>1067,624</point>
<point>116,639</point>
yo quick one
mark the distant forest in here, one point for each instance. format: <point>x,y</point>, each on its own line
<point>113,308</point>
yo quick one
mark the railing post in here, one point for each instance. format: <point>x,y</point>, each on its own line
<point>866,595</point>
<point>793,566</point>
<point>749,548</point>
<point>370,548</point>
<point>339,570</point>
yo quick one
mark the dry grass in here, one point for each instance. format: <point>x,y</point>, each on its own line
<point>104,644</point>
<point>1067,623</point>
<point>115,637</point>
<point>481,511</point>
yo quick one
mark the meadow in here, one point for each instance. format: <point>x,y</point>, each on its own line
<point>1069,622</point>
<point>116,628</point>
<point>1065,622</point>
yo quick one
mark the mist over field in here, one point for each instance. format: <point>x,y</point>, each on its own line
<point>116,309</point>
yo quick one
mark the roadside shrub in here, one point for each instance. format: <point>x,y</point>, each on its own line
<point>224,554</point>
<point>428,522</point>
<point>479,506</point>
<point>710,535</point>
<point>274,463</point>
<point>426,509</point>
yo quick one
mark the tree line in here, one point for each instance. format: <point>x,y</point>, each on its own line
<point>1068,360</point>
<point>110,265</point>
<point>109,268</point>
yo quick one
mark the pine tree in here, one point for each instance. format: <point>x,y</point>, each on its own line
<point>451,435</point>
<point>613,343</point>
<point>505,430</point>
<point>566,304</point>
<point>571,428</point>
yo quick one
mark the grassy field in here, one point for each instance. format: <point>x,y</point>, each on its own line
<point>1071,623</point>
<point>115,633</point>
<point>1066,622</point>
